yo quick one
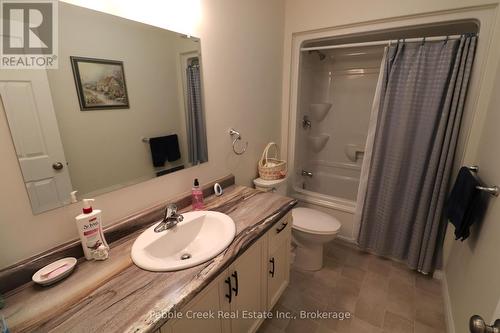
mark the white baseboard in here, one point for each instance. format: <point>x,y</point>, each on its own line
<point>345,239</point>
<point>438,275</point>
<point>448,313</point>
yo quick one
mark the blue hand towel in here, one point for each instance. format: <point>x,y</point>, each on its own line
<point>466,203</point>
<point>164,148</point>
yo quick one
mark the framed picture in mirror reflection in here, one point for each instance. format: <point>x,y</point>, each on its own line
<point>100,83</point>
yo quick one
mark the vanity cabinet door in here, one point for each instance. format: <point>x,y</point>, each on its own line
<point>247,282</point>
<point>278,272</point>
<point>207,303</point>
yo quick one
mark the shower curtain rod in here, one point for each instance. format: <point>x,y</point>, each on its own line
<point>380,42</point>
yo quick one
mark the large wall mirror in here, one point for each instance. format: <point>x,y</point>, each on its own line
<point>125,105</point>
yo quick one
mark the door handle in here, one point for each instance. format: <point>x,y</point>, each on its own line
<point>283,226</point>
<point>235,289</point>
<point>272,270</point>
<point>57,166</point>
<point>477,325</point>
<point>229,295</point>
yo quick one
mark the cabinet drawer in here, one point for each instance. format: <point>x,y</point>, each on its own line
<point>280,232</point>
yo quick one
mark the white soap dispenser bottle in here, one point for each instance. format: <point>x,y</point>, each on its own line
<point>89,226</point>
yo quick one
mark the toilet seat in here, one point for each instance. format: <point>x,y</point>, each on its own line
<point>314,222</point>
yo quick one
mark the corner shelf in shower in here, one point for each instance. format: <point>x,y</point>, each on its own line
<point>319,110</point>
<point>317,143</point>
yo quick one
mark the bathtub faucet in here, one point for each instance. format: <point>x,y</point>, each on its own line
<point>307,173</point>
<point>306,123</point>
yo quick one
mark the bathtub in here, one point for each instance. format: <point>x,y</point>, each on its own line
<point>331,189</point>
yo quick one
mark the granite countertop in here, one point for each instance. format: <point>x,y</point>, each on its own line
<point>117,296</point>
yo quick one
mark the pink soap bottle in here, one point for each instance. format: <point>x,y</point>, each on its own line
<point>197,196</point>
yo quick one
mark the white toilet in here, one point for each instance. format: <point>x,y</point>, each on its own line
<point>310,231</point>
<point>278,185</point>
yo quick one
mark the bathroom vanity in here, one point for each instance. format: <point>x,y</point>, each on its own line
<point>239,296</point>
<point>117,296</point>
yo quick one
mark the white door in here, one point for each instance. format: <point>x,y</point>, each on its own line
<point>28,106</point>
<point>482,257</point>
<point>473,270</point>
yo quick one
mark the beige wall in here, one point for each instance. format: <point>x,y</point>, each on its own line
<point>113,137</point>
<point>304,15</point>
<point>242,58</point>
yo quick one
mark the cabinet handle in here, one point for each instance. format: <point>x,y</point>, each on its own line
<point>272,270</point>
<point>283,226</point>
<point>230,294</point>
<point>235,275</point>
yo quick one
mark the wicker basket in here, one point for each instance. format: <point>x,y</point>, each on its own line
<point>271,168</point>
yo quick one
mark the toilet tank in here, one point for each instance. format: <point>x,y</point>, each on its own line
<point>278,185</point>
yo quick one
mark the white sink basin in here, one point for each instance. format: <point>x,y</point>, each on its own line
<point>201,236</point>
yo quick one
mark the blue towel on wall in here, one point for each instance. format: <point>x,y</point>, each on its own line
<point>466,204</point>
<point>164,148</point>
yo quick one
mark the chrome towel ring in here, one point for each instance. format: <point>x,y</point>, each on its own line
<point>236,136</point>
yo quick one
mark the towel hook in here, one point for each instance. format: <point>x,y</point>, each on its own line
<point>236,136</point>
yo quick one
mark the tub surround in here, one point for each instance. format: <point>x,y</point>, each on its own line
<point>116,295</point>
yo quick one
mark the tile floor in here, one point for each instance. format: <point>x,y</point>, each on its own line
<point>381,296</point>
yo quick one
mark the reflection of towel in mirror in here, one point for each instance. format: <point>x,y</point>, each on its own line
<point>466,203</point>
<point>164,148</point>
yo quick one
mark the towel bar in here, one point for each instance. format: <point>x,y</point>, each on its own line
<point>473,168</point>
<point>493,190</point>
<point>146,140</point>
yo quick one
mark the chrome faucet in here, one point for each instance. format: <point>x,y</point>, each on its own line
<point>170,219</point>
<point>306,123</point>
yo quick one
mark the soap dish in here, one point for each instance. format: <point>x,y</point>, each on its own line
<point>317,143</point>
<point>55,271</point>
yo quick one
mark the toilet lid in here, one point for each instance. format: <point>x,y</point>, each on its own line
<point>268,183</point>
<point>314,221</point>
